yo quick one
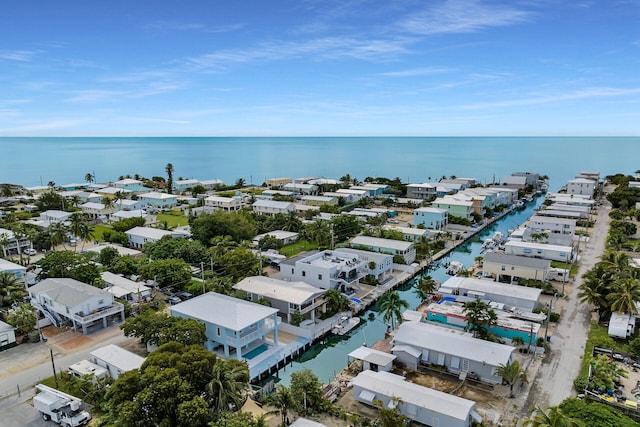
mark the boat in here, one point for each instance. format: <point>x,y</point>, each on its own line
<point>454,268</point>
<point>488,244</point>
<point>345,324</point>
<point>497,237</point>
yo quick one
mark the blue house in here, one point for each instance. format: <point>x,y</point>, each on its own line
<point>237,326</point>
<point>431,218</point>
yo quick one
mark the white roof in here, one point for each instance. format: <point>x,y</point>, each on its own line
<point>92,205</point>
<point>381,243</point>
<point>371,355</point>
<point>121,249</point>
<point>52,213</point>
<point>581,181</point>
<point>407,349</point>
<point>211,181</point>
<point>157,195</point>
<point>187,181</point>
<point>496,288</point>
<point>138,213</point>
<point>292,292</point>
<point>148,232</point>
<point>552,220</point>
<point>415,231</point>
<point>84,367</point>
<point>534,245</point>
<point>278,234</point>
<point>388,384</point>
<point>128,181</point>
<point>431,210</point>
<point>5,327</point>
<point>448,341</point>
<point>8,265</point>
<point>377,257</point>
<point>118,357</point>
<point>65,291</point>
<point>112,190</point>
<point>304,422</point>
<point>272,204</point>
<point>222,310</point>
<point>129,286</point>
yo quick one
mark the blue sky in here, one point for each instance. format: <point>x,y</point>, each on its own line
<point>319,67</point>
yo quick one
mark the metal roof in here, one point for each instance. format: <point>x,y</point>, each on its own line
<point>68,292</point>
<point>371,355</point>
<point>292,292</point>
<point>520,261</point>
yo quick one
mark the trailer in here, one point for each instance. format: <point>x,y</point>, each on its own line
<point>59,407</point>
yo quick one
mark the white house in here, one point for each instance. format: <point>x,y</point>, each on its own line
<point>286,237</point>
<point>54,216</point>
<point>138,236</point>
<point>303,189</point>
<point>421,404</point>
<point>7,336</point>
<point>121,287</point>
<point>124,183</point>
<point>540,250</point>
<point>154,200</point>
<point>406,250</point>
<point>85,306</point>
<point>97,210</point>
<point>326,269</point>
<point>423,191</point>
<point>519,182</point>
<point>116,360</point>
<point>383,268</point>
<point>272,207</point>
<point>513,296</point>
<point>12,245</point>
<point>13,268</point>
<point>457,351</point>
<point>210,184</point>
<point>432,218</point>
<point>582,187</point>
<point>85,368</point>
<point>184,184</point>
<point>372,359</point>
<point>226,204</point>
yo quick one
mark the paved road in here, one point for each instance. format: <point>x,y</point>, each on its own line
<point>554,380</point>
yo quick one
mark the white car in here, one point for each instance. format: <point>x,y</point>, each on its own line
<point>30,252</point>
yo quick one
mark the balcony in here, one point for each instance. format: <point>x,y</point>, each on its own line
<point>243,340</point>
<point>115,308</point>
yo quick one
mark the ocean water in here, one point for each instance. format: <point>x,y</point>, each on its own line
<point>33,161</point>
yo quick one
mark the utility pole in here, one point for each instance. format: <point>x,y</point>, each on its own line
<point>549,310</point>
<point>202,277</point>
<point>53,365</point>
<point>260,259</point>
<point>331,236</point>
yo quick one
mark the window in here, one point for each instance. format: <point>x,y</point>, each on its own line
<point>503,268</point>
<point>319,276</point>
<point>304,273</point>
<point>218,331</point>
<point>292,271</point>
<point>100,301</point>
<point>527,251</point>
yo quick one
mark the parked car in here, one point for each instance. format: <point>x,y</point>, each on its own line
<point>184,295</point>
<point>172,300</point>
<point>30,252</point>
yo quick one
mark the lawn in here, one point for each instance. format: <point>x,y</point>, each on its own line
<point>173,219</point>
<point>599,337</point>
<point>98,231</point>
<point>297,247</point>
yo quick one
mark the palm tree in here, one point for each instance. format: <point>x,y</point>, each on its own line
<point>511,372</point>
<point>517,341</point>
<point>336,301</point>
<point>75,201</point>
<point>480,317</point>
<point>426,286</point>
<point>318,232</point>
<point>58,234</point>
<point>595,287</point>
<point>240,182</point>
<point>624,294</point>
<point>554,417</point>
<point>228,385</point>
<point>169,170</point>
<point>282,400</point>
<point>8,283</point>
<point>538,237</point>
<point>89,178</point>
<point>119,196</point>
<point>391,306</point>
<point>616,262</point>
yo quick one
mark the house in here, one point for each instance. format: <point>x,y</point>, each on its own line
<point>405,250</point>
<point>421,404</point>
<point>571,199</point>
<point>84,369</point>
<point>68,300</point>
<point>582,187</point>
<point>457,351</point>
<point>302,189</point>
<point>373,190</point>
<point>592,175</point>
<point>622,325</point>
<point>325,270</point>
<point>111,191</point>
<point>123,288</point>
<point>382,263</point>
<point>116,360</point>
<point>74,186</point>
<point>564,213</point>
<point>184,184</point>
<point>272,207</point>
<point>540,250</point>
<point>7,336</point>
<point>355,195</point>
<point>12,268</point>
<point>11,244</point>
<point>511,181</point>
<point>305,422</point>
<point>320,200</point>
<point>277,194</point>
<point>54,216</point>
<point>154,200</point>
<point>287,297</point>
<point>236,325</point>
<point>374,360</point>
<point>512,296</point>
<point>507,267</point>
<point>348,198</point>
<point>138,236</point>
<point>531,178</point>
<point>139,213</point>
<point>225,204</point>
<point>129,205</point>
<point>431,218</point>
<point>211,184</point>
<point>124,183</point>
<point>286,237</point>
<point>277,182</point>
<point>455,207</point>
<point>97,210</point>
<point>552,225</point>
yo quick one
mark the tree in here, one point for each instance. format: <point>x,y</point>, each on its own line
<point>89,178</point>
<point>624,294</point>
<point>282,400</point>
<point>169,170</point>
<point>554,417</point>
<point>345,227</point>
<point>167,272</point>
<point>58,233</point>
<point>80,228</point>
<point>228,385</point>
<point>511,372</point>
<point>538,237</point>
<point>108,256</point>
<point>50,200</point>
<point>425,286</point>
<point>23,318</point>
<point>8,283</point>
<point>480,317</point>
<point>604,371</point>
<point>595,414</point>
<point>391,305</point>
<point>391,417</point>
<point>336,301</point>
<point>317,232</point>
<point>238,225</point>
<point>306,391</point>
<point>595,287</point>
<point>156,329</point>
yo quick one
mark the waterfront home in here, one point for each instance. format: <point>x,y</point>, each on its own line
<point>320,200</point>
<point>211,184</point>
<point>12,268</point>
<point>459,352</point>
<point>287,297</point>
<point>356,194</point>
<point>184,184</point>
<point>373,190</point>
<point>97,210</point>
<point>582,187</point>
<point>154,200</point>
<point>540,250</point>
<point>7,336</point>
<point>68,300</point>
<point>531,178</point>
<point>116,360</point>
<point>410,234</point>
<point>405,250</point>
<point>552,225</point>
<point>138,236</point>
<point>592,175</point>
<point>302,189</point>
<point>374,360</point>
<point>11,244</point>
<point>421,404</point>
<point>326,270</point>
<point>512,181</point>
<point>225,204</point>
<point>123,288</point>
<point>272,207</point>
<point>124,183</point>
<point>382,263</point>
<point>505,267</point>
<point>571,199</point>
<point>455,207</point>
<point>236,325</point>
<point>285,237</point>
<point>564,213</point>
<point>277,182</point>
<point>425,191</point>
<point>73,186</point>
<point>271,194</point>
<point>431,218</point>
<point>513,296</point>
<point>452,314</point>
<point>506,195</point>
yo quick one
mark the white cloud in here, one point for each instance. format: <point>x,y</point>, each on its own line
<point>43,127</point>
<point>417,72</point>
<point>462,16</point>
<point>18,55</point>
<point>191,26</point>
<point>95,95</point>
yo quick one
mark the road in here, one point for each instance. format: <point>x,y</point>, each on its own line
<point>554,380</point>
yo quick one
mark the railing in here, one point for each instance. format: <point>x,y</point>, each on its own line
<point>252,336</point>
<point>115,308</point>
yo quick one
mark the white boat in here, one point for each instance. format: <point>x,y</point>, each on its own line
<point>488,244</point>
<point>497,237</point>
<point>345,324</point>
<point>454,268</point>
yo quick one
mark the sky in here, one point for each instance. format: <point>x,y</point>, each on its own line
<point>319,68</point>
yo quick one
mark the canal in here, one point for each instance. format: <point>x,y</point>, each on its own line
<point>329,356</point>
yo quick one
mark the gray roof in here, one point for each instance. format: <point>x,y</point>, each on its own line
<point>118,357</point>
<point>371,355</point>
<point>68,292</point>
<point>222,310</point>
<point>5,327</point>
<point>520,261</point>
<point>268,287</point>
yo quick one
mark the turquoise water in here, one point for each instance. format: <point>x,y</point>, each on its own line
<point>32,161</point>
<point>256,351</point>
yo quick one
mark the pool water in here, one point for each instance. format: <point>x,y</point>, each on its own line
<point>256,351</point>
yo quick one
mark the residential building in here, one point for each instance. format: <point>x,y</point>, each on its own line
<point>124,183</point>
<point>184,184</point>
<point>116,360</point>
<point>236,325</point>
<point>286,237</point>
<point>320,200</point>
<point>511,296</point>
<point>12,268</point>
<point>129,205</point>
<point>288,297</point>
<point>592,175</point>
<point>154,200</point>
<point>211,184</point>
<point>277,182</point>
<point>275,194</point>
<point>540,250</point>
<point>455,207</point>
<point>123,288</point>
<point>425,191</point>
<point>138,236</point>
<point>272,207</point>
<point>571,199</point>
<point>421,404</point>
<point>531,178</point>
<point>11,244</point>
<point>98,210</point>
<point>382,263</point>
<point>111,191</point>
<point>403,249</point>
<point>68,300</point>
<point>513,181</point>
<point>302,189</point>
<point>225,204</point>
<point>431,218</point>
<point>355,194</point>
<point>7,336</point>
<point>373,190</point>
<point>505,267</point>
<point>74,186</point>
<point>325,270</point>
<point>374,360</point>
<point>54,216</point>
<point>410,234</point>
<point>459,352</point>
<point>85,369</point>
<point>582,187</point>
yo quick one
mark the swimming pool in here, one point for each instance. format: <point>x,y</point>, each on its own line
<point>256,351</point>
